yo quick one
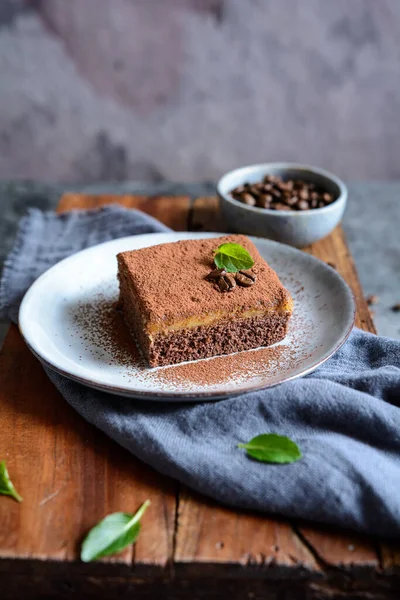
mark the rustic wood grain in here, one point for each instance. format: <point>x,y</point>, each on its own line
<point>71,475</point>
<point>390,557</point>
<point>339,548</point>
<point>60,583</point>
<point>171,210</point>
<point>211,537</point>
<point>205,215</point>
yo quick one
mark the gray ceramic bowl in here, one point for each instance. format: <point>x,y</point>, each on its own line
<point>297,228</point>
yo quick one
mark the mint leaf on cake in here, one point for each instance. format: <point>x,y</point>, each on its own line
<point>233,257</point>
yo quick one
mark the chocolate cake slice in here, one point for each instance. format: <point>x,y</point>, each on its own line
<point>176,314</point>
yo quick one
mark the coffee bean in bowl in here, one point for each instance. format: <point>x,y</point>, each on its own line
<point>287,202</point>
<point>274,193</point>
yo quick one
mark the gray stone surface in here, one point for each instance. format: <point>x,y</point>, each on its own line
<point>372,225</point>
<point>187,89</point>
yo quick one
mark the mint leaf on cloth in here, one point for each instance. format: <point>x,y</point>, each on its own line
<point>272,448</point>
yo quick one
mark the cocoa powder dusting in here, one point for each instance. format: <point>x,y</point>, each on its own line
<point>221,369</point>
<point>103,332</point>
<point>170,280</point>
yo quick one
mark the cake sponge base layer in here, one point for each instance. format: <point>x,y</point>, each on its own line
<point>224,337</point>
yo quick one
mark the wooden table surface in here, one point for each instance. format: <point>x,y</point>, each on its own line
<point>71,475</point>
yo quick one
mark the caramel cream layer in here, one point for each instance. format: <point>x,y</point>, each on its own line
<point>211,318</point>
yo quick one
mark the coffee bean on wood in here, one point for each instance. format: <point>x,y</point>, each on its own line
<point>276,194</point>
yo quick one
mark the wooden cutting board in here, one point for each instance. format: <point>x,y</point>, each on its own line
<point>71,475</point>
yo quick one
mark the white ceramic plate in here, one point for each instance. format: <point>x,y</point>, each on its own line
<point>65,320</point>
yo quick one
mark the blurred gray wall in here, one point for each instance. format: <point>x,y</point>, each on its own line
<point>186,89</point>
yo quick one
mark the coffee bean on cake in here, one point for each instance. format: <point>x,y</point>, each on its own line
<point>215,274</point>
<point>226,283</point>
<point>245,278</point>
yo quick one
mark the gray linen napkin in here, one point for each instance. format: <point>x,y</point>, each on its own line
<point>345,416</point>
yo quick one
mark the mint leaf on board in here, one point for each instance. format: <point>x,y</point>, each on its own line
<point>6,485</point>
<point>272,448</point>
<point>113,534</point>
<point>232,257</point>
